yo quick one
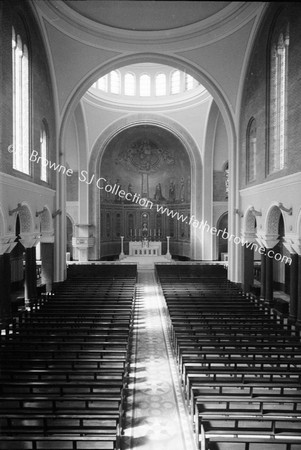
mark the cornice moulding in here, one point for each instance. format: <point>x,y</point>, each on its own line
<point>201,33</point>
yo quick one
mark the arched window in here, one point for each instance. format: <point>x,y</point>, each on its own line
<point>129,84</point>
<point>20,69</point>
<point>251,150</point>
<point>145,86</point>
<point>161,84</point>
<point>278,95</point>
<point>227,181</point>
<point>102,83</point>
<point>189,82</point>
<point>175,82</point>
<point>115,82</point>
<point>44,152</point>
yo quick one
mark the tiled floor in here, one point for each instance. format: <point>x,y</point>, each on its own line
<point>156,416</point>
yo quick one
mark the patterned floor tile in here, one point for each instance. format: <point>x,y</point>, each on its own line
<point>157,417</point>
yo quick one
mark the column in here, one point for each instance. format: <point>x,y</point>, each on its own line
<point>293,305</point>
<point>299,292</point>
<point>47,264</point>
<point>121,256</point>
<point>262,275</point>
<point>269,280</point>
<point>30,274</point>
<point>5,302</point>
<point>248,269</point>
<point>168,255</point>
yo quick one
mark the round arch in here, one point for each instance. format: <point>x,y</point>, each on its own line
<point>130,121</point>
<point>46,220</point>
<point>26,219</point>
<point>222,103</point>
<point>175,62</point>
<point>272,220</point>
<point>249,223</point>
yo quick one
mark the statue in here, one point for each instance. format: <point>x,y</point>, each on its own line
<point>172,191</point>
<point>182,190</point>
<point>158,193</point>
<point>144,230</point>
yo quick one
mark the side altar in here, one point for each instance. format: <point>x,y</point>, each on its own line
<point>145,247</point>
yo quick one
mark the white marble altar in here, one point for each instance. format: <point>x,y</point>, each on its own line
<point>145,248</point>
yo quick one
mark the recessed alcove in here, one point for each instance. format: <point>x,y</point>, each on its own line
<point>151,165</point>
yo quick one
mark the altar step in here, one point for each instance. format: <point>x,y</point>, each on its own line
<point>146,262</point>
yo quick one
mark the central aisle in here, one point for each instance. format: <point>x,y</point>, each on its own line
<point>156,418</point>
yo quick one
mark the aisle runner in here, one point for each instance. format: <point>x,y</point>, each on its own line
<point>156,417</point>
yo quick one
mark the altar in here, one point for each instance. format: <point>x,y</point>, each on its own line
<point>145,248</point>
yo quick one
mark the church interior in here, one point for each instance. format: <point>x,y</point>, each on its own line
<point>150,225</point>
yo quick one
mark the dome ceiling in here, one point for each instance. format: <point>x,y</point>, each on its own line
<point>146,15</point>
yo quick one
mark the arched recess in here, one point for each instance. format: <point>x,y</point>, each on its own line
<point>224,106</point>
<point>46,221</point>
<point>26,219</point>
<point>276,230</point>
<point>161,122</point>
<point>250,257</point>
<point>272,221</point>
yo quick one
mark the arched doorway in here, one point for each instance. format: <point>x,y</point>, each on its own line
<point>221,242</point>
<point>69,234</point>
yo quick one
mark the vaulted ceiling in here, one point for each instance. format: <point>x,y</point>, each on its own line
<point>147,15</point>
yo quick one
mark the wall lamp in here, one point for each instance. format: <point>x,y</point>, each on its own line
<point>12,211</point>
<point>289,211</point>
<point>58,212</point>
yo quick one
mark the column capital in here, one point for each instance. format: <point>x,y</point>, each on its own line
<point>267,240</point>
<point>293,243</point>
<point>249,237</point>
<point>47,237</point>
<point>29,241</point>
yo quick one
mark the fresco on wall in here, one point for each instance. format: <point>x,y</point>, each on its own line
<point>149,161</point>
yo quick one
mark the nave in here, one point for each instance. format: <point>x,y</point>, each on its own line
<point>176,358</point>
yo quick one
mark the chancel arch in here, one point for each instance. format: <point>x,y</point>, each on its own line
<point>166,131</point>
<point>151,165</point>
<point>198,249</point>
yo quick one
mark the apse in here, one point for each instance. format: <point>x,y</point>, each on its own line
<point>145,190</point>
